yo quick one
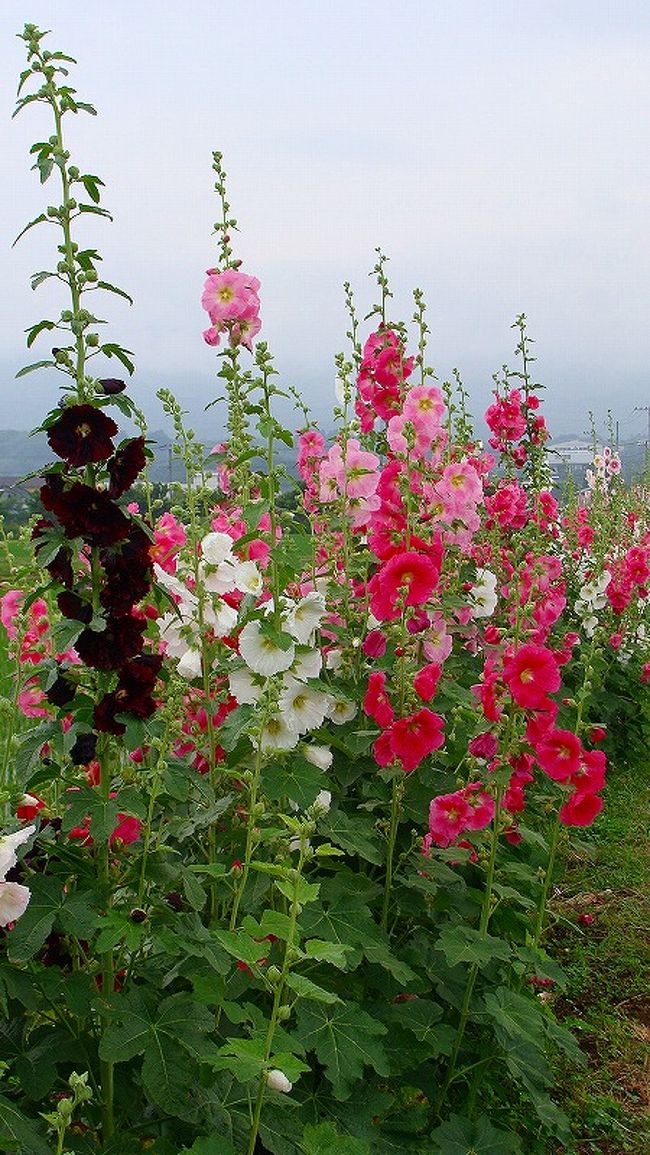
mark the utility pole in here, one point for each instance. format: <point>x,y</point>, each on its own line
<point>645,409</point>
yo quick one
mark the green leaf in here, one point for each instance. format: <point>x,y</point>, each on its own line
<point>334,953</point>
<point>461,1136</point>
<point>241,946</point>
<point>419,1016</point>
<point>463,944</point>
<point>88,802</point>
<point>296,778</point>
<point>306,989</point>
<point>122,355</point>
<point>345,1040</point>
<point>324,1139</point>
<point>516,1018</point>
<point>209,1145</point>
<point>31,368</point>
<point>272,922</point>
<point>298,891</point>
<point>20,1134</point>
<point>36,924</point>
<point>37,221</point>
<point>113,289</point>
<point>32,333</point>
<point>355,834</point>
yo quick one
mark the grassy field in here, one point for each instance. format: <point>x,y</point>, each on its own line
<point>602,939</point>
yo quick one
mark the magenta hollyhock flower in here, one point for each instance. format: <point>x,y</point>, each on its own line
<point>374,644</point>
<point>376,703</point>
<point>82,435</point>
<point>425,682</point>
<point>580,809</point>
<point>449,816</point>
<point>590,775</point>
<point>407,577</point>
<point>482,806</point>
<point>484,745</point>
<point>558,754</point>
<point>412,739</point>
<point>532,673</point>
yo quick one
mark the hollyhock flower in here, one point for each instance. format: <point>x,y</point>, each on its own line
<point>304,617</point>
<point>413,738</point>
<point>217,548</point>
<point>244,687</point>
<point>376,703</point>
<point>341,710</point>
<point>531,674</point>
<point>82,435</point>
<point>425,682</point>
<point>449,816</point>
<point>85,512</point>
<point>190,664</point>
<point>483,594</point>
<point>28,807</point>
<point>307,664</point>
<point>323,802</point>
<point>110,648</point>
<point>14,900</point>
<point>229,295</point>
<point>374,644</point>
<point>169,537</point>
<point>484,745</point>
<point>262,653</point>
<point>482,807</point>
<point>125,465</point>
<point>459,486</point>
<point>277,1081</point>
<point>506,419</point>
<point>590,775</point>
<point>303,709</point>
<point>438,643</point>
<point>248,579</point>
<point>320,756</point>
<point>508,505</point>
<point>31,702</point>
<point>559,754</point>
<point>277,735</point>
<point>407,577</point>
<point>580,809</point>
<point>9,844</point>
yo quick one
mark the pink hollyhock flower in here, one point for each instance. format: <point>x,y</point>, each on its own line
<point>31,701</point>
<point>449,816</point>
<point>169,537</point>
<point>438,644</point>
<point>581,809</point>
<point>459,486</point>
<point>506,419</point>
<point>377,704</point>
<point>229,295</point>
<point>558,754</point>
<point>531,673</point>
<point>425,682</point>
<point>484,745</point>
<point>9,609</point>
<point>407,578</point>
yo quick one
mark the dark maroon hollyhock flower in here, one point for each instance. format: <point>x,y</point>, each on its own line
<point>132,695</point>
<point>61,691</point>
<point>111,648</point>
<point>110,386</point>
<point>85,512</point>
<point>129,571</point>
<point>84,749</point>
<point>60,568</point>
<point>72,606</point>
<point>125,465</point>
<point>82,435</point>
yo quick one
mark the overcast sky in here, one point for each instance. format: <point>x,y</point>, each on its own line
<point>497,150</point>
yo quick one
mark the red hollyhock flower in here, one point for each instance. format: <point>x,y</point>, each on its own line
<point>412,739</point>
<point>449,816</point>
<point>531,674</point>
<point>75,607</point>
<point>581,809</point>
<point>558,754</point>
<point>82,435</point>
<point>590,775</point>
<point>482,806</point>
<point>377,704</point>
<point>125,465</point>
<point>408,577</point>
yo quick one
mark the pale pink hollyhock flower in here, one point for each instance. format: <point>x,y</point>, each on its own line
<point>9,610</point>
<point>14,900</point>
<point>30,702</point>
<point>424,406</point>
<point>438,644</point>
<point>9,843</point>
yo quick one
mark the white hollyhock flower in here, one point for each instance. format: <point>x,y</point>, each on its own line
<point>244,687</point>
<point>221,580</point>
<point>170,626</point>
<point>277,1081</point>
<point>276,735</point>
<point>248,578</point>
<point>341,710</point>
<point>14,900</point>
<point>305,617</point>
<point>216,547</point>
<point>307,665</point>
<point>483,594</point>
<point>174,586</point>
<point>221,617</point>
<point>323,801</point>
<point>334,658</point>
<point>261,654</point>
<point>8,846</point>
<point>189,665</point>
<point>302,708</point>
<point>320,756</point>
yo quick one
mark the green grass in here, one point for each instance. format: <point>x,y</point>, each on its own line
<point>607,877</point>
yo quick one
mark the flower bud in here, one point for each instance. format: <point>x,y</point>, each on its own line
<point>110,385</point>
<point>277,1081</point>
